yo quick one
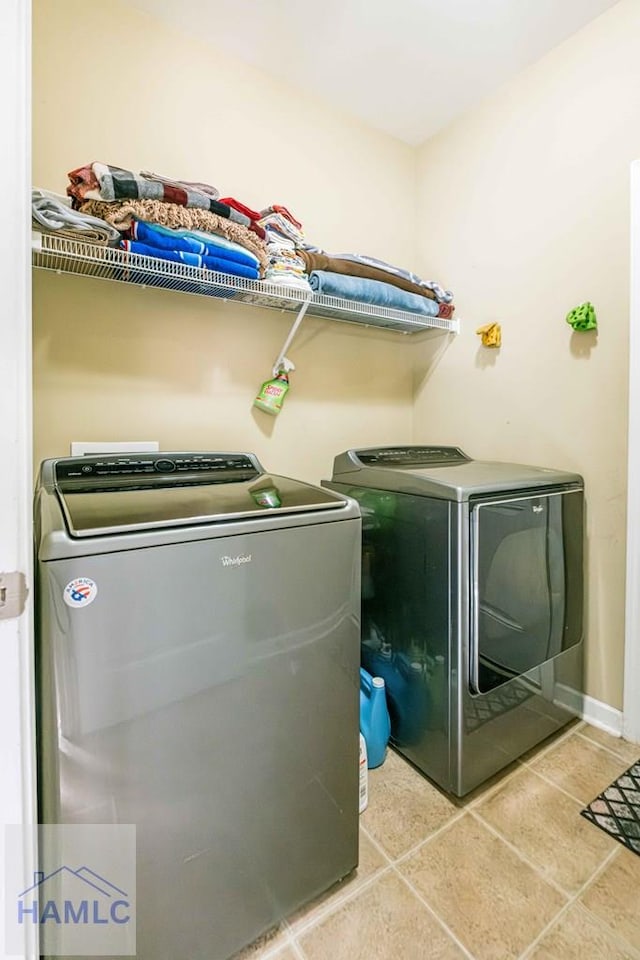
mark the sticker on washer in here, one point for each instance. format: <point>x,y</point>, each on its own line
<point>80,592</point>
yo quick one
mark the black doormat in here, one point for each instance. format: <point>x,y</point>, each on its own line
<point>617,809</point>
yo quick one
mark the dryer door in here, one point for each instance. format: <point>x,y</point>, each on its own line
<point>526,583</point>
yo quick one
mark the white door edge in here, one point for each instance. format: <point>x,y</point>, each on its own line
<point>631,707</point>
<point>17,727</point>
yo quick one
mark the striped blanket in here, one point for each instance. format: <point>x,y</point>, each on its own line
<point>103,181</point>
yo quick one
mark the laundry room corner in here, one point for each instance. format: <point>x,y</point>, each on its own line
<point>530,226</point>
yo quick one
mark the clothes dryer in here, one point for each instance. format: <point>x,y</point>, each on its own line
<point>472,602</point>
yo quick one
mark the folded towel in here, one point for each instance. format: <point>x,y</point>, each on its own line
<point>277,241</point>
<point>278,208</point>
<point>103,181</point>
<point>163,238</point>
<point>221,241</point>
<point>55,214</point>
<point>191,259</point>
<point>205,188</point>
<point>286,278</point>
<point>352,268</point>
<point>371,291</point>
<point>442,295</point>
<point>241,208</point>
<point>282,226</point>
<point>122,213</point>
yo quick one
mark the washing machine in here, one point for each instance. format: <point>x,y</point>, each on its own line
<point>472,602</point>
<point>198,650</point>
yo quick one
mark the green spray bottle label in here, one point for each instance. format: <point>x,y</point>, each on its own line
<point>272,393</point>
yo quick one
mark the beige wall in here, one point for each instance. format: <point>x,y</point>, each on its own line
<point>119,363</point>
<point>524,208</point>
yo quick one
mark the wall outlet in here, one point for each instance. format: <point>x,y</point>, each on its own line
<point>81,448</point>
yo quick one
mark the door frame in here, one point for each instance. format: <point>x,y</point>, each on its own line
<point>631,705</point>
<point>17,699</point>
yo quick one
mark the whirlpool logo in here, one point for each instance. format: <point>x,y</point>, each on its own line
<point>236,561</point>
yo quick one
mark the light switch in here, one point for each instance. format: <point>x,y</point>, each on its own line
<point>81,448</point>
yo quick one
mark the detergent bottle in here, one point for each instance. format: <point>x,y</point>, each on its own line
<point>374,718</point>
<point>376,653</point>
<point>363,777</point>
<point>406,689</point>
<point>411,698</point>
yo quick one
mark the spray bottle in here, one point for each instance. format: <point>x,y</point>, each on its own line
<point>272,392</point>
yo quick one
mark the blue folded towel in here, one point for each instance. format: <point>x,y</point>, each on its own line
<point>370,291</point>
<point>166,239</point>
<point>192,259</point>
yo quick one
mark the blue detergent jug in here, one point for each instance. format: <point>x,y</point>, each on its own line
<point>374,717</point>
<point>406,691</point>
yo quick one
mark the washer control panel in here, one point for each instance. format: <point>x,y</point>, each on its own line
<point>410,456</point>
<point>210,467</point>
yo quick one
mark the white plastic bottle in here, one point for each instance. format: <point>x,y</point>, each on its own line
<point>364,775</point>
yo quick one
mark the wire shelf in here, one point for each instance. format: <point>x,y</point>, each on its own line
<point>77,257</point>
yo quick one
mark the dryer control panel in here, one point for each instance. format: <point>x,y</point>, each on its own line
<point>410,456</point>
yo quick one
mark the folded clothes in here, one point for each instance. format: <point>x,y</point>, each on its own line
<point>287,258</point>
<point>285,268</point>
<point>351,268</point>
<point>277,240</point>
<point>206,188</point>
<point>204,238</point>
<point>278,208</point>
<point>122,213</point>
<point>165,239</point>
<point>84,183</point>
<point>398,273</point>
<point>218,239</point>
<point>370,291</point>
<point>282,266</point>
<point>442,295</point>
<point>191,259</point>
<point>241,208</point>
<point>276,223</point>
<point>287,279</point>
<point>55,214</point>
<point>103,181</point>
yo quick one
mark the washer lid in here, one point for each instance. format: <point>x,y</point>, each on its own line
<point>442,472</point>
<point>115,495</point>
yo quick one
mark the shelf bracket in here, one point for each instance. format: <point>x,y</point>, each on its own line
<point>282,363</point>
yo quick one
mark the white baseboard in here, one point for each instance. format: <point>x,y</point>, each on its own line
<point>593,711</point>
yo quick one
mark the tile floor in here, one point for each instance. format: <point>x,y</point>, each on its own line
<point>512,871</point>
